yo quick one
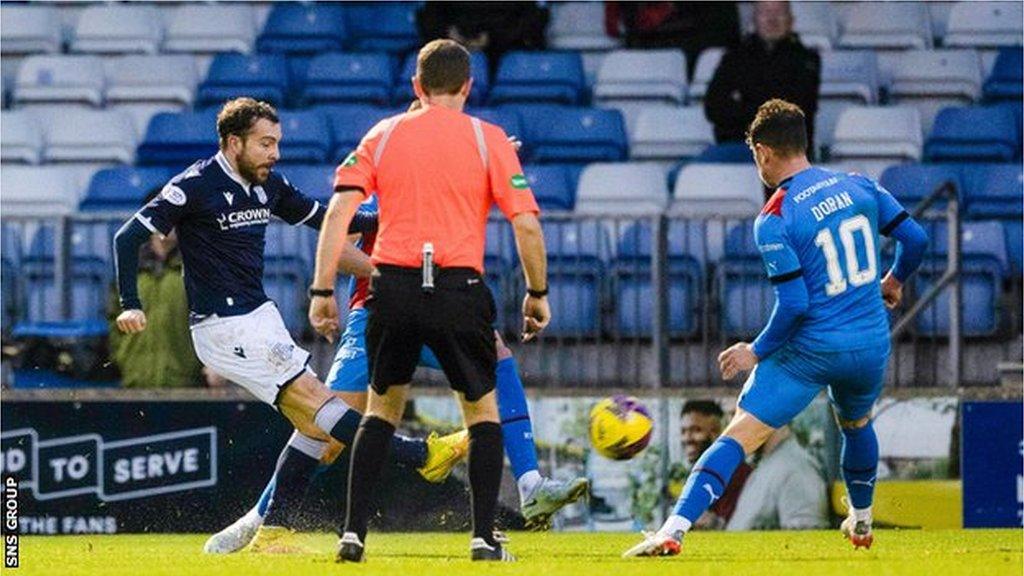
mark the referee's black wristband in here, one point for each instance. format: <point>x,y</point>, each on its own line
<point>537,293</point>
<point>326,292</point>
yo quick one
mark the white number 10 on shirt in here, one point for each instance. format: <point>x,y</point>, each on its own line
<point>856,275</point>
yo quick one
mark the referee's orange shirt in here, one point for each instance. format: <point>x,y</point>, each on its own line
<point>436,172</point>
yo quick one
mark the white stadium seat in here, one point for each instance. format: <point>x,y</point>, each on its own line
<point>670,133</point>
<point>707,63</point>
<point>727,190</point>
<point>887,25</point>
<point>80,135</point>
<point>118,28</point>
<point>30,29</point>
<point>642,75</point>
<point>152,79</point>
<point>890,133</point>
<point>850,75</point>
<point>141,114</point>
<point>622,188</point>
<point>579,26</point>
<point>816,23</point>
<point>939,11</point>
<point>207,28</point>
<point>21,137</point>
<point>38,190</point>
<point>933,79</point>
<point>60,79</point>
<point>985,24</point>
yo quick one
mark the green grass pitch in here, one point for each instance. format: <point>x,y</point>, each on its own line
<point>821,553</point>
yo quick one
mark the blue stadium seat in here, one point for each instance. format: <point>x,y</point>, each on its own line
<point>631,274</point>
<point>90,275</point>
<point>382,26</point>
<point>577,268</point>
<point>477,70</point>
<point>92,331</point>
<point>576,135</point>
<point>178,139</point>
<point>536,77</point>
<point>123,188</point>
<point>263,77</point>
<point>303,28</point>
<point>306,137</point>
<point>1006,82</point>
<point>349,77</point>
<point>994,191</point>
<point>285,280</point>
<point>500,258</point>
<point>1014,231</point>
<point>745,295</point>
<point>9,286</point>
<point>973,134</point>
<point>729,153</point>
<point>553,185</point>
<point>505,118</point>
<point>313,181</point>
<point>349,124</point>
<point>911,183</point>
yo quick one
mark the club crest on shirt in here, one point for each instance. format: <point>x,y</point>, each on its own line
<point>260,194</point>
<point>280,353</point>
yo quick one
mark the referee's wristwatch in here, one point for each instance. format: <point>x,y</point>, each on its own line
<point>323,293</point>
<point>537,293</point>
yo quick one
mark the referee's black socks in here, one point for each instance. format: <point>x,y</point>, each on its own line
<point>369,453</point>
<point>486,458</point>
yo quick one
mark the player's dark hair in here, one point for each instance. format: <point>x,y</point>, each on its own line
<point>238,116</point>
<point>442,67</point>
<point>705,407</point>
<point>781,126</point>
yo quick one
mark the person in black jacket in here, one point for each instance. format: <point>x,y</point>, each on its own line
<point>771,63</point>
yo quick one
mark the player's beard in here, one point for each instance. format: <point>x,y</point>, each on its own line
<point>252,172</point>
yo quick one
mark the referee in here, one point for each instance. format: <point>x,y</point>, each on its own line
<point>436,172</point>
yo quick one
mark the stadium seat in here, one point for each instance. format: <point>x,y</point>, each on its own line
<point>21,137</point>
<point>151,79</point>
<point>973,134</point>
<point>1006,82</point>
<point>178,139</point>
<point>717,190</point>
<point>1014,231</point>
<point>553,186</point>
<point>577,266</point>
<point>80,135</point>
<point>631,277</point>
<point>565,134</point>
<point>37,191</point>
<point>993,191</point>
<point>506,118</point>
<point>350,78</point>
<point>141,113</point>
<point>579,26</point>
<point>210,28</point>
<point>934,79</point>
<point>539,77</point>
<point>745,295</point>
<point>816,23</point>
<point>849,75</point>
<point>889,133</point>
<point>642,75</point>
<point>117,29</point>
<point>622,188</point>
<point>500,258</point>
<point>286,273</point>
<point>707,63</point>
<point>60,79</point>
<point>306,137</point>
<point>123,188</point>
<point>30,29</point>
<point>349,124</point>
<point>301,28</point>
<point>985,24</point>
<point>313,181</point>
<point>670,133</point>
<point>911,183</point>
<point>477,70</point>
<point>382,27</point>
<point>887,25</point>
<point>728,153</point>
<point>263,77</point>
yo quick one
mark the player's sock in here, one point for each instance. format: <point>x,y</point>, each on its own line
<point>294,470</point>
<point>339,420</point>
<point>265,498</point>
<point>369,453</point>
<point>516,429</point>
<point>860,465</point>
<point>409,451</point>
<point>485,464</point>
<point>707,482</point>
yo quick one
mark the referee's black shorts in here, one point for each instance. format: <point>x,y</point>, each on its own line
<point>456,321</point>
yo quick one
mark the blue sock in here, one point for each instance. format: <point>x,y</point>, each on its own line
<point>408,451</point>
<point>517,432</point>
<point>709,477</point>
<point>268,493</point>
<point>860,464</point>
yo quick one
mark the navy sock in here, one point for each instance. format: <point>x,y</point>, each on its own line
<point>409,451</point>
<point>369,453</point>
<point>516,428</point>
<point>294,470</point>
<point>339,420</point>
<point>709,477</point>
<point>860,464</point>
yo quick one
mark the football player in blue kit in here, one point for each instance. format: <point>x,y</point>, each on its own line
<point>819,238</point>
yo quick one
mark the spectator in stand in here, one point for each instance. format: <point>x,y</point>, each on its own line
<point>771,63</point>
<point>493,28</point>
<point>700,426</point>
<point>692,26</point>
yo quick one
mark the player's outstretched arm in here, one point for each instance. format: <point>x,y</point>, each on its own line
<point>126,257</point>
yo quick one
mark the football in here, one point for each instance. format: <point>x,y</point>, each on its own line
<point>620,427</point>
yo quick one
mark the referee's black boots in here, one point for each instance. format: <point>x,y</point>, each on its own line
<point>350,549</point>
<point>479,549</point>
